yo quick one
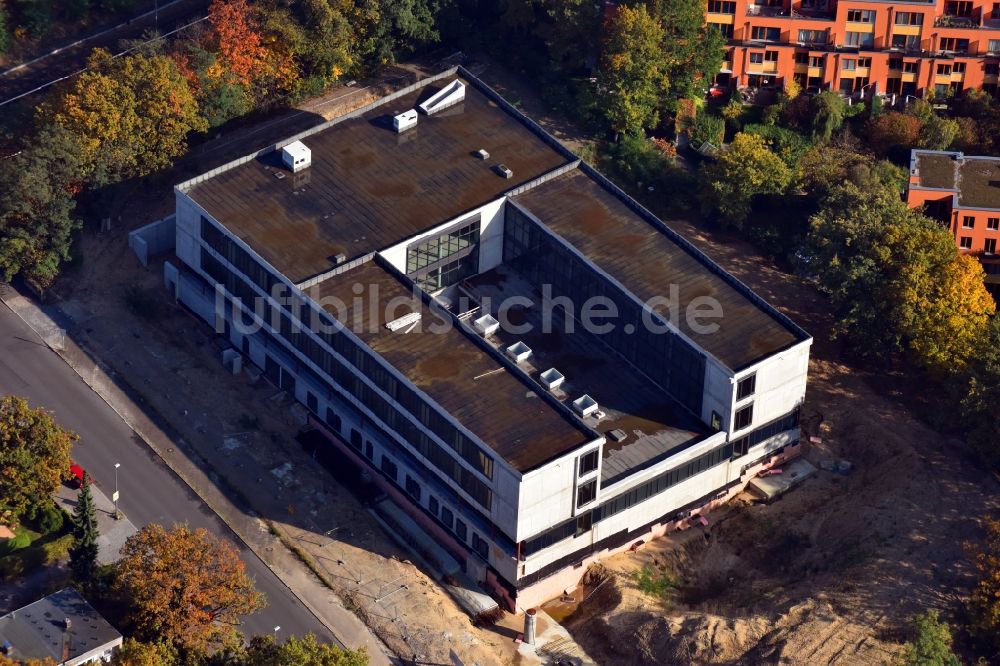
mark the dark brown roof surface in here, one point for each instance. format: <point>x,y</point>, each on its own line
<point>506,413</point>
<point>936,170</point>
<point>369,187</point>
<point>980,182</point>
<point>646,262</point>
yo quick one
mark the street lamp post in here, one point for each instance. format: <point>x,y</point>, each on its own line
<point>276,630</point>
<point>114,497</point>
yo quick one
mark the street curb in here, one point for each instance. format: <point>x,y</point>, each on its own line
<point>196,458</point>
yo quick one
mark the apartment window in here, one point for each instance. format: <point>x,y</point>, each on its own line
<point>746,387</point>
<point>432,505</point>
<point>909,18</point>
<point>815,61</point>
<point>716,421</point>
<point>895,63</point>
<point>725,28</point>
<point>771,56</point>
<point>864,62</point>
<point>911,67</point>
<point>480,545</point>
<point>756,58</point>
<point>584,523</point>
<point>762,34</point>
<point>812,36</point>
<point>389,467</point>
<point>958,68</point>
<point>993,223</point>
<point>965,242</point>
<point>959,8</point>
<point>333,421</point>
<point>721,7</point>
<point>991,69</point>
<point>908,42</point>
<point>990,246</point>
<point>461,530</point>
<point>412,487</point>
<point>447,517</point>
<point>588,463</point>
<point>312,402</point>
<point>744,417</point>
<point>860,16</point>
<point>369,451</point>
<point>968,222</point>
<point>850,64</point>
<point>993,46</point>
<point>801,58</point>
<point>356,439</point>
<point>944,69</point>
<point>954,44</point>
<point>586,493</point>
<point>859,39</point>
<point>741,446</point>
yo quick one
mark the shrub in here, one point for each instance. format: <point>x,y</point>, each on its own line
<point>708,128</point>
<point>655,583</point>
<point>788,144</point>
<point>20,541</point>
<point>50,519</point>
<point>932,644</point>
<point>893,129</point>
<point>57,549</point>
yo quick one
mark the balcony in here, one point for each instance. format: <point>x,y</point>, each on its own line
<point>975,21</point>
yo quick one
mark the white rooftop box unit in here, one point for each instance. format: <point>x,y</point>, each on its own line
<point>450,95</point>
<point>519,352</point>
<point>585,405</point>
<point>296,156</point>
<point>404,121</point>
<point>551,379</point>
<point>486,325</point>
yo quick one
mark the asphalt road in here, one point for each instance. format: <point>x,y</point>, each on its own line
<point>72,59</point>
<point>150,491</point>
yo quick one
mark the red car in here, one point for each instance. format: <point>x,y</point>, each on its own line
<point>76,476</point>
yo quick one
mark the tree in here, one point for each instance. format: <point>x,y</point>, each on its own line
<point>83,554</point>
<point>896,278</point>
<point>135,653</point>
<point>977,392</point>
<point>984,602</point>
<point>36,205</point>
<point>633,76</point>
<point>932,645</point>
<point>34,457</point>
<point>4,29</point>
<point>130,115</point>
<point>307,651</point>
<point>938,133</point>
<point>893,129</point>
<point>188,587</point>
<point>828,112</point>
<point>392,27</point>
<point>745,169</point>
<point>693,49</point>
<point>238,41</point>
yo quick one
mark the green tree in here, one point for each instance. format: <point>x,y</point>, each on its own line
<point>36,205</point>
<point>633,75</point>
<point>307,651</point>
<point>34,457</point>
<point>896,278</point>
<point>938,133</point>
<point>394,27</point>
<point>36,16</point>
<point>83,554</point>
<point>4,29</point>
<point>828,112</point>
<point>694,50</point>
<point>977,392</point>
<point>984,602</point>
<point>744,170</point>
<point>932,644</point>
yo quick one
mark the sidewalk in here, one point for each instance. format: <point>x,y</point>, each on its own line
<point>112,533</point>
<point>50,322</point>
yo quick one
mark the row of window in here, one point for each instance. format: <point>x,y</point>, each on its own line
<point>663,356</point>
<point>399,392</point>
<point>992,223</point>
<point>431,251</point>
<point>444,515</point>
<point>584,522</point>
<point>766,431</point>
<point>989,245</point>
<point>850,64</point>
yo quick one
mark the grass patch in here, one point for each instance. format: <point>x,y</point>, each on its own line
<point>656,583</point>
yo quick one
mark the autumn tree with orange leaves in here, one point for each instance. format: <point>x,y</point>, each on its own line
<point>188,588</point>
<point>238,40</point>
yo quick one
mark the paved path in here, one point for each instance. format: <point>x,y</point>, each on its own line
<point>150,491</point>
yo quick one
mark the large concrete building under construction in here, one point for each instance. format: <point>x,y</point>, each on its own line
<point>423,275</point>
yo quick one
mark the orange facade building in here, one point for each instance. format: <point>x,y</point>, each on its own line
<point>861,46</point>
<point>964,193</point>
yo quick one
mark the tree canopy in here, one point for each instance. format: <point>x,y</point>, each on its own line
<point>932,644</point>
<point>83,553</point>
<point>745,169</point>
<point>188,587</point>
<point>984,603</point>
<point>34,457</point>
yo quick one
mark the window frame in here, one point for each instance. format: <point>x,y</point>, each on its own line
<point>743,417</point>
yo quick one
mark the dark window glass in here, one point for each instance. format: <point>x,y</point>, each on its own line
<point>432,504</point>
<point>447,517</point>
<point>370,451</point>
<point>333,420</point>
<point>412,487</point>
<point>480,546</point>
<point>588,463</point>
<point>586,493</point>
<point>584,522</point>
<point>746,387</point>
<point>356,439</point>
<point>389,467</point>
<point>744,417</point>
<point>461,530</point>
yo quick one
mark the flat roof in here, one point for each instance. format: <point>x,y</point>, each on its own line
<point>979,182</point>
<point>936,169</point>
<point>369,187</point>
<point>646,260</point>
<point>653,424</point>
<point>506,412</point>
<point>38,631</point>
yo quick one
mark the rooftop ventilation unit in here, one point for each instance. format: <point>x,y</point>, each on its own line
<point>551,379</point>
<point>519,352</point>
<point>486,325</point>
<point>585,405</point>
<point>450,95</point>
<point>504,171</point>
<point>404,121</point>
<point>404,321</point>
<point>482,154</point>
<point>296,156</point>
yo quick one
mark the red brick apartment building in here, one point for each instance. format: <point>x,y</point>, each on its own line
<point>895,48</point>
<point>964,192</point>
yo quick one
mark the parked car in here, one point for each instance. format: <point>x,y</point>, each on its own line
<point>77,475</point>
